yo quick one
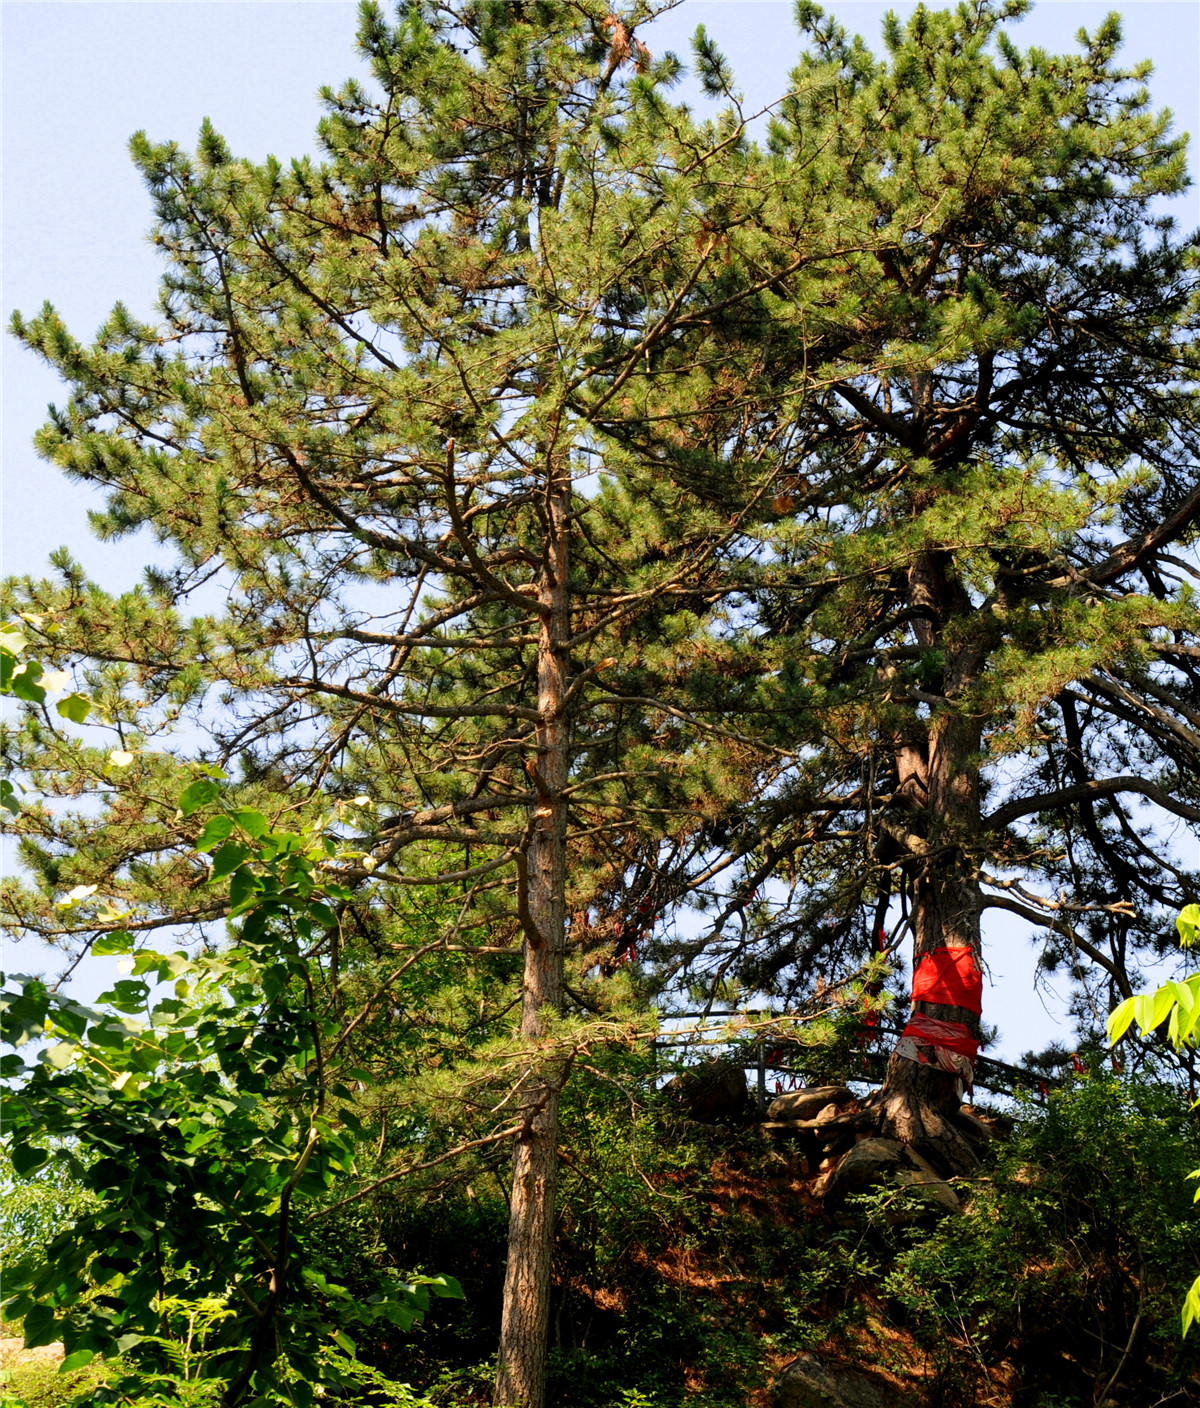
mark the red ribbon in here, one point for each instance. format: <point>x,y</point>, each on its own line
<point>949,976</point>
<point>928,1031</point>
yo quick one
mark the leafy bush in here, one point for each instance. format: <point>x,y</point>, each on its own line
<point>1075,1252</point>
<point>37,1383</point>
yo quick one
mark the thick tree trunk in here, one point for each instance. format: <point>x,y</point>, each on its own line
<point>521,1363</point>
<point>920,1099</point>
<point>939,772</point>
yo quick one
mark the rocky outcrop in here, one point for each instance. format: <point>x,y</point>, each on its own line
<point>875,1162</point>
<point>807,1382</point>
<point>805,1104</point>
<point>712,1093</point>
<point>871,1162</point>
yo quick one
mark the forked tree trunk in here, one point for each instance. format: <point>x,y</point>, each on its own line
<point>521,1363</point>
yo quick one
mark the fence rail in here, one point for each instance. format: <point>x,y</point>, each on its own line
<point>999,1077</point>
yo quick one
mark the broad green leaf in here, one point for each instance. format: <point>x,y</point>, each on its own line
<point>1143,1009</point>
<point>197,795</point>
<point>1181,1011</point>
<point>1188,924</point>
<point>12,641</point>
<point>1191,1306</point>
<point>8,797</point>
<point>253,823</point>
<point>217,829</point>
<point>227,859</point>
<point>1164,1000</point>
<point>60,1054</point>
<point>1119,1020</point>
<point>401,1315</point>
<point>255,923</point>
<point>109,1034</point>
<point>27,1157</point>
<point>24,683</point>
<point>244,886</point>
<point>1188,1025</point>
<point>40,1326</point>
<point>76,1360</point>
<point>119,941</point>
<point>1185,993</point>
<point>75,707</point>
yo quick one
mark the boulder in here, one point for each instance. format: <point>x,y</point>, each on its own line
<point>712,1093</point>
<point>809,1383</point>
<point>935,1193</point>
<point>970,1121</point>
<point>804,1104</point>
<point>871,1162</point>
<point>876,1162</point>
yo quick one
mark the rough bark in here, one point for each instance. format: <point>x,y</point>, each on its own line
<point>937,763</point>
<point>520,1369</point>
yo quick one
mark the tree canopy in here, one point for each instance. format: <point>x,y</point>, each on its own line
<point>618,517</point>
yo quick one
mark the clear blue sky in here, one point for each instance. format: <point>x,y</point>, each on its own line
<point>79,78</point>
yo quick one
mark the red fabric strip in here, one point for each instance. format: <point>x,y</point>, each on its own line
<point>949,976</point>
<point>952,1035</point>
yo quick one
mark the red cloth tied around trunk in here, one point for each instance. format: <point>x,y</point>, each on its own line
<point>928,1031</point>
<point>949,976</point>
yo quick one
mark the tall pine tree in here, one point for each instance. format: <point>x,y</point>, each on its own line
<point>966,640</point>
<point>374,415</point>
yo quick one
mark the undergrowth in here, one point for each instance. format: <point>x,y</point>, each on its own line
<point>694,1262</point>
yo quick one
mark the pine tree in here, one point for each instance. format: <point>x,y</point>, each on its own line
<point>373,415</point>
<point>965,640</point>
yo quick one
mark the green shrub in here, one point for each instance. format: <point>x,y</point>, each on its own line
<point>1075,1252</point>
<point>37,1383</point>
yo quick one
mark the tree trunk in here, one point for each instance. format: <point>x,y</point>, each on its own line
<point>521,1363</point>
<point>920,1099</point>
<point>939,773</point>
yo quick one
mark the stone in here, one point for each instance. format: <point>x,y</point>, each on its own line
<point>804,1104</point>
<point>808,1383</point>
<point>851,1121</point>
<point>967,1117</point>
<point>712,1093</point>
<point>869,1163</point>
<point>876,1162</point>
<point>13,1352</point>
<point>935,1193</point>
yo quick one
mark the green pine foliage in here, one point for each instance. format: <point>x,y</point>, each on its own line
<point>875,444</point>
<point>957,640</point>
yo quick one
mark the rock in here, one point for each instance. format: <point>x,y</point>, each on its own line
<point>935,1196</point>
<point>712,1093</point>
<point>973,1124</point>
<point>851,1121</point>
<point>804,1104</point>
<point>875,1162</point>
<point>808,1383</point>
<point>935,1193</point>
<point>13,1351</point>
<point>869,1163</point>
